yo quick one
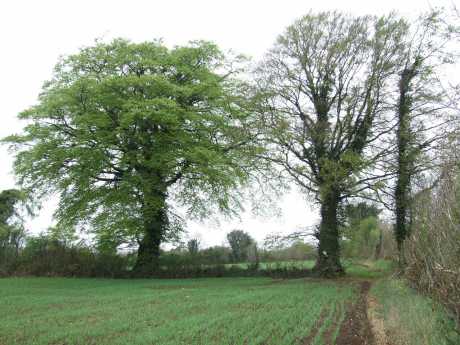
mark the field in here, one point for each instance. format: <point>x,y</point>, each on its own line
<point>66,311</point>
<point>356,269</point>
<point>204,311</point>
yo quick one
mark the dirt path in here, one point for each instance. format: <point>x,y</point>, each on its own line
<point>377,324</point>
<point>356,329</point>
<point>361,325</point>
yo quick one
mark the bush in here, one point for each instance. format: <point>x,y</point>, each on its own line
<point>215,255</point>
<point>297,251</point>
<point>410,318</point>
<point>45,256</point>
<point>48,255</point>
<point>218,271</point>
<point>433,249</point>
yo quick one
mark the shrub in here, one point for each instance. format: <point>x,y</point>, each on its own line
<point>46,256</point>
<point>433,249</point>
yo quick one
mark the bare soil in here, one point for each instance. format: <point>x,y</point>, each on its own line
<point>377,324</point>
<point>356,329</point>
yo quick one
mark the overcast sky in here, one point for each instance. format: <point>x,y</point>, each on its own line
<point>33,34</point>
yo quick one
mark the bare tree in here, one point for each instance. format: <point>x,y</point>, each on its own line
<point>323,87</point>
<point>423,110</point>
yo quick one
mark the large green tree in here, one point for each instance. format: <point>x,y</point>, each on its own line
<point>323,107</point>
<point>124,131</point>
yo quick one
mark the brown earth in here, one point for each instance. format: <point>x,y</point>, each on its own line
<point>377,324</point>
<point>356,329</point>
<point>361,325</point>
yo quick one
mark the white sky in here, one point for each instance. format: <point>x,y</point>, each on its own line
<point>33,34</point>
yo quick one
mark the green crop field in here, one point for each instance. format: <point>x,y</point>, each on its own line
<point>193,311</point>
<point>71,311</point>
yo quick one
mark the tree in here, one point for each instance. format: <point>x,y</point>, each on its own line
<point>65,236</point>
<point>123,131</point>
<point>9,200</point>
<point>193,246</point>
<point>355,213</point>
<point>12,232</point>
<point>362,236</point>
<point>322,88</point>
<point>422,106</point>
<point>239,242</point>
<point>216,255</point>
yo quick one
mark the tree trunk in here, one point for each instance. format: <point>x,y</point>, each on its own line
<point>406,157</point>
<point>402,185</point>
<point>328,261</point>
<point>401,204</point>
<point>379,246</point>
<point>155,219</point>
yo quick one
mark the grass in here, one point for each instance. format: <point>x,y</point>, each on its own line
<point>368,269</point>
<point>308,264</point>
<point>410,318</point>
<point>354,268</point>
<point>66,311</point>
<point>193,311</point>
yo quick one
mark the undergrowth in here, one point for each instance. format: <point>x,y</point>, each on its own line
<point>412,319</point>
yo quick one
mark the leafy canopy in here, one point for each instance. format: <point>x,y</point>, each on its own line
<point>124,125</point>
<point>12,204</point>
<point>239,242</point>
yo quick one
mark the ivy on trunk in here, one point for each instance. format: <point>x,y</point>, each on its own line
<point>321,88</point>
<point>328,262</point>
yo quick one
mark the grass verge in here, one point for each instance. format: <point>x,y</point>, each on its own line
<point>410,318</point>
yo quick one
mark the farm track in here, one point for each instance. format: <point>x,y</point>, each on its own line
<point>377,323</point>
<point>360,326</point>
<point>356,328</point>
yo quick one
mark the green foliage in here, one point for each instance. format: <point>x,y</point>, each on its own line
<point>12,231</point>
<point>193,246</point>
<point>297,250</point>
<point>368,269</point>
<point>48,255</point>
<point>123,130</point>
<point>240,243</point>
<point>65,236</point>
<point>355,213</point>
<point>10,202</point>
<point>216,254</point>
<point>361,238</point>
<point>361,233</point>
